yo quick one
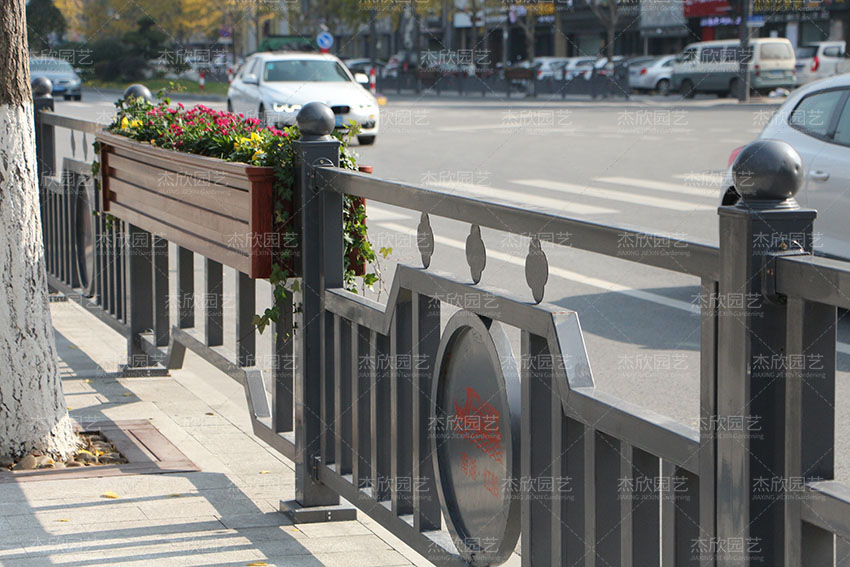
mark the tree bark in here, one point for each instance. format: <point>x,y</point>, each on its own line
<point>32,407</point>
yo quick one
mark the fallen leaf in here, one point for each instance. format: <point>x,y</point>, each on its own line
<point>63,520</point>
<point>84,451</point>
<point>88,381</point>
<point>175,495</point>
<point>265,472</point>
<point>257,564</point>
<point>210,413</point>
<point>127,394</point>
<point>109,494</point>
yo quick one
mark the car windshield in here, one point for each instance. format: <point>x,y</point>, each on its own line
<point>51,66</point>
<point>304,70</point>
<point>776,51</point>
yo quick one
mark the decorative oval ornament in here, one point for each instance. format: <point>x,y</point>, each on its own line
<point>425,240</point>
<point>476,253</point>
<point>536,269</point>
<point>475,408</point>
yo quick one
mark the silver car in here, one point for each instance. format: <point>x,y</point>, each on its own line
<point>65,80</point>
<point>815,120</point>
<point>652,75</point>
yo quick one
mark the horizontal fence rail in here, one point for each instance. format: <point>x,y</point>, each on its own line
<point>374,402</point>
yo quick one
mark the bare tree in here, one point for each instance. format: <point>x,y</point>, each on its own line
<point>607,14</point>
<point>32,407</point>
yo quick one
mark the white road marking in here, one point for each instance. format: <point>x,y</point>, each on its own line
<point>678,188</point>
<point>707,179</point>
<point>599,283</point>
<point>599,193</point>
<point>522,199</point>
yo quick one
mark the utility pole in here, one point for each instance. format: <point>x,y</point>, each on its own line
<point>744,51</point>
<point>373,32</point>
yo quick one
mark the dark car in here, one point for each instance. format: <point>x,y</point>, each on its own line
<point>65,80</point>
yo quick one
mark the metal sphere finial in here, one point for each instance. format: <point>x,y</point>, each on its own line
<point>315,120</point>
<point>136,91</point>
<point>768,170</point>
<point>42,87</point>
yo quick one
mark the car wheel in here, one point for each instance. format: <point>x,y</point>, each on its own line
<point>67,97</point>
<point>687,89</point>
<point>663,87</point>
<point>366,140</point>
<point>731,197</point>
<point>78,97</point>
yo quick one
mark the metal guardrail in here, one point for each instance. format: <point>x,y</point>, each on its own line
<point>375,402</point>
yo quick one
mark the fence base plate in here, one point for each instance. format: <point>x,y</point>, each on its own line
<point>299,514</point>
<point>143,371</point>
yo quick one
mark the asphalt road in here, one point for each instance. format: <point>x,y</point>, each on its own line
<point>655,164</point>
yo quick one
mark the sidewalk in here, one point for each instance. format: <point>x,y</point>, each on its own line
<point>224,514</point>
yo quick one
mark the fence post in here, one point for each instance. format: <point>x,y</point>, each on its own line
<point>751,411</point>
<point>321,268</point>
<point>44,133</point>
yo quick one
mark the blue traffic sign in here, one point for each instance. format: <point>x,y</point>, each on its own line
<point>325,40</point>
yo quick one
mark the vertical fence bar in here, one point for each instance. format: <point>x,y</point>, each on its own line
<point>246,308</point>
<point>121,235</point>
<point>342,395</point>
<point>213,298</point>
<point>810,423</point>
<point>161,317</point>
<point>571,481</point>
<point>425,342</point>
<point>536,457</point>
<point>644,508</point>
<point>283,367</point>
<point>185,288</point>
<point>708,412</point>
<point>139,294</point>
<point>750,390</point>
<point>608,517</point>
<point>361,468</point>
<point>328,365</point>
<point>109,256</point>
<point>401,432</point>
<point>321,268</point>
<point>682,542</point>
<point>380,390</point>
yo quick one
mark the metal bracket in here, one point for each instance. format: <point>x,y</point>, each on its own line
<point>768,282</point>
<point>315,463</point>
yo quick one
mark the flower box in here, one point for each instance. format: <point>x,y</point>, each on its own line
<point>219,209</point>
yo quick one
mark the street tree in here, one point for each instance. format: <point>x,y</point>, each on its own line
<point>45,24</point>
<point>608,15</point>
<point>32,407</point>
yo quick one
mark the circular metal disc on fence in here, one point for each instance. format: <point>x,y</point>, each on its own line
<point>475,409</point>
<point>84,237</point>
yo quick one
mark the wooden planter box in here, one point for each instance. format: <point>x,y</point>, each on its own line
<point>218,209</point>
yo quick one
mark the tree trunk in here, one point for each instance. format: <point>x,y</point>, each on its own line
<point>32,407</point>
<point>611,30</point>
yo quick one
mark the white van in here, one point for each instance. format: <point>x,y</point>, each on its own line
<point>713,66</point>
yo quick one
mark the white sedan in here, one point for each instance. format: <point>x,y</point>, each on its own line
<point>653,75</point>
<point>274,86</point>
<point>815,120</point>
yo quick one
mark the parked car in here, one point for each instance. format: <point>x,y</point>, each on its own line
<point>713,66</point>
<point>364,65</point>
<point>550,67</point>
<point>274,87</point>
<point>602,66</point>
<point>653,75</point>
<point>820,60</point>
<point>65,80</point>
<point>576,66</point>
<point>815,120</point>
<point>635,64</point>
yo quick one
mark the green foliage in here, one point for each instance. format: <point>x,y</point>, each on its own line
<point>229,137</point>
<point>45,25</point>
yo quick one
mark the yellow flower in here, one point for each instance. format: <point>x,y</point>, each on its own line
<point>258,154</point>
<point>255,137</point>
<point>124,123</point>
<point>135,123</point>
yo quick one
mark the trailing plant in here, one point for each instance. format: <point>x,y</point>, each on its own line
<point>204,131</point>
